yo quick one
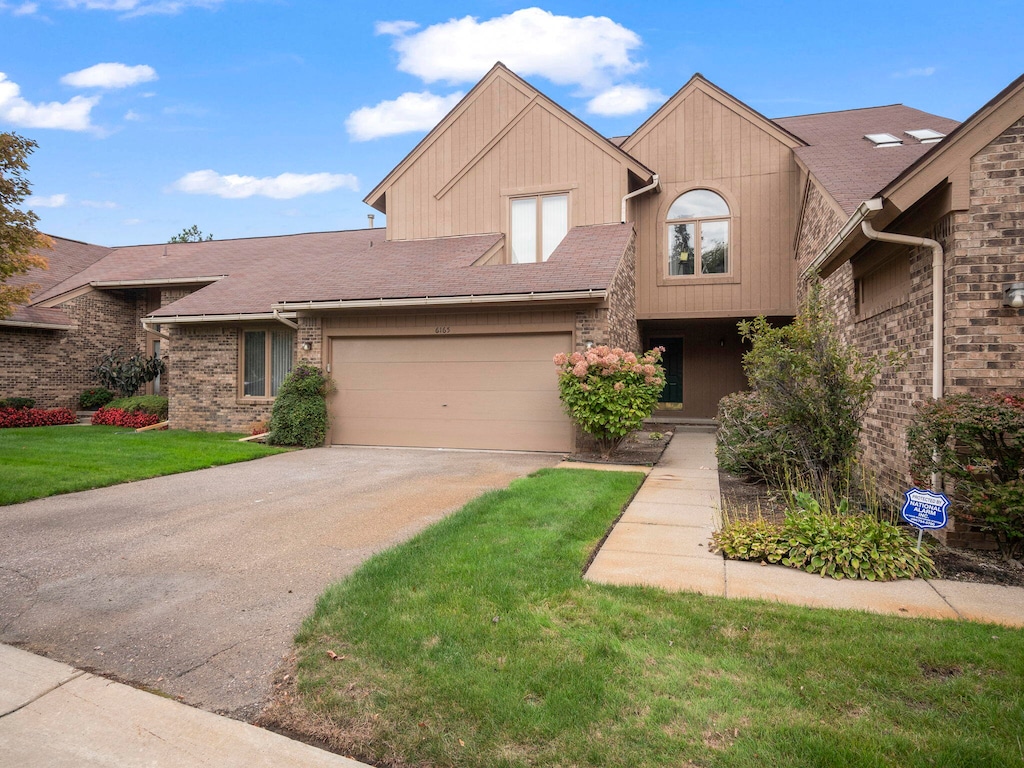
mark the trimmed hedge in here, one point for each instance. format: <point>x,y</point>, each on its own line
<point>152,404</point>
<point>94,398</point>
<point>17,402</point>
<point>36,417</point>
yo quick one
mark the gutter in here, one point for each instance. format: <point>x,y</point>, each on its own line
<point>41,326</point>
<point>191,319</point>
<point>655,182</point>
<point>152,282</point>
<point>590,294</point>
<point>865,211</point>
<point>290,323</point>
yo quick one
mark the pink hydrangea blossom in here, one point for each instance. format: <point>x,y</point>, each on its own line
<point>580,369</point>
<point>619,386</point>
<point>561,358</point>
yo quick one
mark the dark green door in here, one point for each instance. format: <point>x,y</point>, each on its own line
<point>672,359</point>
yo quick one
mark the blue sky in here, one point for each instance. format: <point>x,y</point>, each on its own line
<point>263,117</point>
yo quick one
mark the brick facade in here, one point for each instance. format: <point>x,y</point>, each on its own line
<point>613,323</point>
<point>204,391</point>
<point>55,367</point>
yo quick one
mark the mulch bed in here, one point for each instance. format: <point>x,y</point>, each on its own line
<point>744,500</point>
<point>642,448</point>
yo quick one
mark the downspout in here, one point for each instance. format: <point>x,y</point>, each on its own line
<point>147,329</point>
<point>655,181</point>
<point>290,323</point>
<point>938,293</point>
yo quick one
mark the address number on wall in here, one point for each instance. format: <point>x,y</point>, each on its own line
<point>443,329</point>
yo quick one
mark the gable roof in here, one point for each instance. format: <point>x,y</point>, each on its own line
<point>850,167</point>
<point>499,71</point>
<point>699,83</point>
<point>65,259</point>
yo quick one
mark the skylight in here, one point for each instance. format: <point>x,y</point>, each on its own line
<point>883,139</point>
<point>926,135</point>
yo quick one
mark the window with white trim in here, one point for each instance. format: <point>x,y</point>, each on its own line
<point>698,234</point>
<point>266,358</point>
<point>537,225</point>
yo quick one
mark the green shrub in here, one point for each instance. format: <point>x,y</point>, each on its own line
<point>152,404</point>
<point>299,416</point>
<point>978,442</point>
<point>94,398</point>
<point>812,386</point>
<point>126,374</point>
<point>829,542</point>
<point>751,443</point>
<point>609,392</point>
<point>18,403</point>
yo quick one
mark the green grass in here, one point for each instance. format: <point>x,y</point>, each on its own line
<point>479,644</point>
<point>44,461</point>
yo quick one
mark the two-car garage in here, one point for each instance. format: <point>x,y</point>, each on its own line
<point>446,389</point>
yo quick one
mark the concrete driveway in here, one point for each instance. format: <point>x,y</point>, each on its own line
<point>195,584</point>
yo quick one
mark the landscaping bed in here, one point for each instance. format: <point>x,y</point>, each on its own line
<point>749,500</point>
<point>642,447</point>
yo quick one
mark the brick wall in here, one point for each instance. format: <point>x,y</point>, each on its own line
<point>204,389</point>
<point>54,367</point>
<point>614,323</point>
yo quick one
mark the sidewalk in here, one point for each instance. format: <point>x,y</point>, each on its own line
<point>55,716</point>
<point>662,541</point>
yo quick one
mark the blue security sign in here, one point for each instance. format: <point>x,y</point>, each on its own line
<point>925,509</point>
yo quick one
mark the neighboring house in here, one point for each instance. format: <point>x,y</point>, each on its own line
<point>515,231</point>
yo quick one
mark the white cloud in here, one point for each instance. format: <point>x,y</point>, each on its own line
<point>915,72</point>
<point>589,51</point>
<point>105,204</point>
<point>72,115</point>
<point>409,112</point>
<point>394,27</point>
<point>25,9</point>
<point>47,201</point>
<point>130,8</point>
<point>133,116</point>
<point>624,100</point>
<point>110,75</point>
<point>283,187</point>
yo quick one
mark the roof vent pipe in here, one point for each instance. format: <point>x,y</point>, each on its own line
<point>369,220</point>
<point>938,293</point>
<point>655,181</point>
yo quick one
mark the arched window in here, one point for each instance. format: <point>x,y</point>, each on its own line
<point>698,234</point>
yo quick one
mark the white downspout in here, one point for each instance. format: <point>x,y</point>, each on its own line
<point>653,185</point>
<point>938,294</point>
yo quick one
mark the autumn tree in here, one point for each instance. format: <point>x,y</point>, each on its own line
<point>19,237</point>
<point>191,234</point>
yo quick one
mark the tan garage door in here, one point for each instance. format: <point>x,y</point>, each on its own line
<point>495,392</point>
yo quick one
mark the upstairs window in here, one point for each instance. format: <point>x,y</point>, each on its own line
<point>698,234</point>
<point>538,224</point>
<point>266,359</point>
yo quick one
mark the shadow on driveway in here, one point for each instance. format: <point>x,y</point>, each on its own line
<point>195,584</point>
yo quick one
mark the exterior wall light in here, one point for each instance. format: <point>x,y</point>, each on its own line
<point>306,346</point>
<point>1013,295</point>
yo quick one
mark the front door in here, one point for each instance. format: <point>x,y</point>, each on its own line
<point>672,360</point>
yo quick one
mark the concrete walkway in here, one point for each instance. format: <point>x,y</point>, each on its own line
<point>55,716</point>
<point>662,541</point>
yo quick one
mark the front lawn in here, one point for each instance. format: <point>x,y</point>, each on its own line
<point>479,644</point>
<point>43,461</point>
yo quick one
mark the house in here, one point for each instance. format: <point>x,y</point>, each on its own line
<point>515,231</point>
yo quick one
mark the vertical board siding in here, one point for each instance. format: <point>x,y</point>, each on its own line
<point>540,150</point>
<point>704,142</point>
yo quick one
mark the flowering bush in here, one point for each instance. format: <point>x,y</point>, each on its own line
<point>36,417</point>
<point>609,392</point>
<point>978,442</point>
<point>119,417</point>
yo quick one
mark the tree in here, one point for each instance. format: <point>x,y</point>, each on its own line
<point>192,234</point>
<point>18,234</point>
<point>127,374</point>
